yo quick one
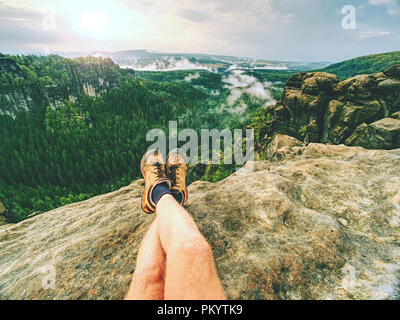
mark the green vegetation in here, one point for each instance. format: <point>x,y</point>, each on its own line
<point>52,69</point>
<point>52,156</point>
<point>56,154</point>
<point>212,82</point>
<point>364,65</point>
<point>202,78</point>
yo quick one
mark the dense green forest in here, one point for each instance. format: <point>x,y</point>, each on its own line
<point>52,156</point>
<point>211,81</point>
<point>54,70</point>
<point>205,79</point>
<point>364,65</point>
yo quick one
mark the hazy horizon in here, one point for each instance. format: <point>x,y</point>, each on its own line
<point>285,30</point>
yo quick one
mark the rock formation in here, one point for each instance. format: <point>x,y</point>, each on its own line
<point>384,133</point>
<point>90,78</point>
<point>316,107</point>
<point>315,222</point>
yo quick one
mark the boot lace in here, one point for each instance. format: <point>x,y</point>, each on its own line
<point>158,166</point>
<point>172,174</point>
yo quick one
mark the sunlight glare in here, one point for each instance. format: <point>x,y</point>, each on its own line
<point>93,23</point>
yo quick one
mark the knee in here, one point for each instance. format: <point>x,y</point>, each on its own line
<point>195,248</point>
<point>150,274</point>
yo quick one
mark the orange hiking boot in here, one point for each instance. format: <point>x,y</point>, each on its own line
<point>153,171</point>
<point>176,172</point>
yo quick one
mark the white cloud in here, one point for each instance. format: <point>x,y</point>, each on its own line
<point>167,64</point>
<point>283,30</point>
<point>240,83</point>
<point>392,6</point>
<point>191,77</point>
<point>373,34</point>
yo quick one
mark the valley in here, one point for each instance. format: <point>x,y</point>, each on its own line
<point>73,128</point>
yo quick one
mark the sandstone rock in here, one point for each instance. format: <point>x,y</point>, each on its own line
<point>315,107</point>
<point>277,230</point>
<point>341,118</point>
<point>357,89</point>
<point>281,145</point>
<point>393,71</point>
<point>302,101</point>
<point>382,134</point>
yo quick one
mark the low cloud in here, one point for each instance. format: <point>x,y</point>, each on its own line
<point>240,84</point>
<point>191,77</point>
<point>167,64</point>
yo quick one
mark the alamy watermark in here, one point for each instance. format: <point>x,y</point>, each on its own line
<point>349,279</point>
<point>349,21</point>
<point>49,277</point>
<point>49,22</point>
<point>232,144</point>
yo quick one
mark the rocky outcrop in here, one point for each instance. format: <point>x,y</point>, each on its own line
<point>318,222</point>
<point>80,77</point>
<point>384,133</point>
<point>12,98</point>
<point>316,107</point>
<point>281,145</point>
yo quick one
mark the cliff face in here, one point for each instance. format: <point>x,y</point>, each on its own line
<point>315,222</point>
<point>13,99</point>
<point>360,111</point>
<point>80,78</point>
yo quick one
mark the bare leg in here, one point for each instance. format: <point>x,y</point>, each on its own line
<point>191,272</point>
<point>149,276</point>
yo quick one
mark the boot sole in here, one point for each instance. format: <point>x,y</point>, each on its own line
<point>146,189</point>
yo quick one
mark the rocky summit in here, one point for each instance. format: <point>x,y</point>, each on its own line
<point>360,111</point>
<point>313,222</point>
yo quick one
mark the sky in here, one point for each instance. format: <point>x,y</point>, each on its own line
<point>285,30</point>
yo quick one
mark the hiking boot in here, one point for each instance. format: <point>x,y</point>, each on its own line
<point>176,172</point>
<point>153,171</point>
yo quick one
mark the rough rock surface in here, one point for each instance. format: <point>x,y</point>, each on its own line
<point>323,222</point>
<point>280,145</point>
<point>384,133</point>
<point>316,107</point>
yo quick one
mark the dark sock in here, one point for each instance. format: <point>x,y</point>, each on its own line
<point>178,197</point>
<point>159,191</point>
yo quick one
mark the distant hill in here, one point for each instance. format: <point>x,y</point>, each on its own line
<point>145,60</point>
<point>364,65</point>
